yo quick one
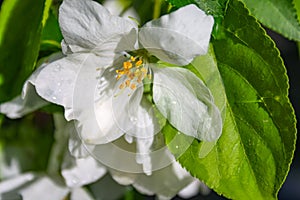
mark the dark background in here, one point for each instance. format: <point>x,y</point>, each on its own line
<point>290,55</point>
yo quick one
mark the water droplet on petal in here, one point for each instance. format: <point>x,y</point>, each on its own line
<point>133,119</point>
<point>57,68</point>
<point>54,98</point>
<point>174,102</point>
<point>74,181</point>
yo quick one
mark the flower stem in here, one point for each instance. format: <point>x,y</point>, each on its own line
<point>157,8</point>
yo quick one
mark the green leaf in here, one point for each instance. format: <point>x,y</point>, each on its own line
<point>278,15</point>
<point>51,36</point>
<point>212,7</point>
<point>297,7</point>
<point>253,155</point>
<point>20,32</point>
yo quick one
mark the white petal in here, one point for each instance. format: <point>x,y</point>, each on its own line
<point>191,190</point>
<point>187,103</point>
<point>143,153</point>
<point>31,186</point>
<point>88,26</point>
<point>143,118</point>
<point>81,171</point>
<point>118,155</point>
<point>9,167</point>
<point>12,183</point>
<point>29,101</point>
<point>77,147</point>
<point>105,112</point>
<point>91,105</point>
<point>55,81</point>
<point>42,188</point>
<point>125,159</point>
<point>165,183</point>
<point>19,106</point>
<point>145,127</point>
<point>145,130</point>
<point>178,37</point>
<point>123,178</point>
<point>80,194</point>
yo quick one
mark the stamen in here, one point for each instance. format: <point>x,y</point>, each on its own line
<point>139,63</point>
<point>127,82</point>
<point>121,86</point>
<point>133,86</point>
<point>132,58</point>
<point>127,65</point>
<point>135,72</point>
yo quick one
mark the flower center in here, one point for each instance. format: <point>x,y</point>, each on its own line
<point>135,71</point>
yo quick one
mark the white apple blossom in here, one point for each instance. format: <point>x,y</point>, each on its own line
<point>101,79</point>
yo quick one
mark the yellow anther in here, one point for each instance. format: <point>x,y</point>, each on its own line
<point>133,86</point>
<point>121,86</point>
<point>127,83</point>
<point>139,63</point>
<point>131,76</point>
<point>134,72</point>
<point>132,58</point>
<point>127,65</point>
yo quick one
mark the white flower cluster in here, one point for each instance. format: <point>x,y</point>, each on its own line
<point>118,85</point>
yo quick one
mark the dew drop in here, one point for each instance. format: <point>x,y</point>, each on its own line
<point>176,146</point>
<point>74,181</point>
<point>133,119</point>
<point>57,68</point>
<point>174,102</point>
<point>54,98</point>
